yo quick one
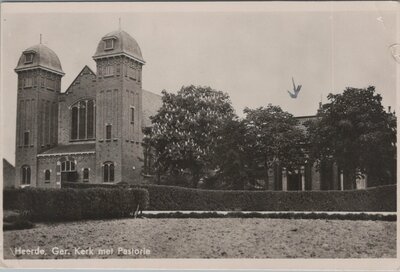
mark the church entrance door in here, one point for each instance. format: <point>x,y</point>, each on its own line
<point>68,171</point>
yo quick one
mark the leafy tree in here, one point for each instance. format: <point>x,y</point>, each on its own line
<point>232,156</point>
<point>354,130</point>
<point>185,130</point>
<point>273,136</point>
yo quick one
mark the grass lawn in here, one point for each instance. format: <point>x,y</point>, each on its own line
<point>207,238</point>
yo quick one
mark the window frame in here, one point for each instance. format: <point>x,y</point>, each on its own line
<point>77,110</point>
<point>108,70</point>
<point>26,138</point>
<point>25,175</point>
<point>30,60</point>
<point>108,131</point>
<point>112,44</point>
<point>47,176</point>
<point>108,172</point>
<point>132,114</point>
<point>84,172</point>
<point>68,166</point>
<point>28,82</point>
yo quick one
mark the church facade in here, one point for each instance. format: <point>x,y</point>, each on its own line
<point>92,132</point>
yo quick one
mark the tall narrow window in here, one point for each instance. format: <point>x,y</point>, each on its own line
<point>108,70</point>
<point>74,129</point>
<point>85,174</point>
<point>108,172</point>
<point>50,83</point>
<point>82,120</point>
<point>132,73</point>
<point>90,119</point>
<point>27,82</point>
<point>25,175</point>
<point>47,176</point>
<point>108,132</point>
<point>132,114</point>
<point>26,138</point>
<point>47,124</point>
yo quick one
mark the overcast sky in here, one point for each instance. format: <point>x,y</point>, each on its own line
<point>249,51</point>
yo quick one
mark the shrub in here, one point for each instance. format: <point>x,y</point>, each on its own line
<point>75,204</point>
<point>173,198</point>
<point>13,220</point>
<point>18,225</point>
<point>176,198</point>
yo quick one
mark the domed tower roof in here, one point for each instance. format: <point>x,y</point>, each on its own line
<point>39,56</point>
<point>117,43</point>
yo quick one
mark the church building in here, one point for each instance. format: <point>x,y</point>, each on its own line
<point>92,132</point>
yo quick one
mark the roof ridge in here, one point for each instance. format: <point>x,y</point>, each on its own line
<point>73,81</point>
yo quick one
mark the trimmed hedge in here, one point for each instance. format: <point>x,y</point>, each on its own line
<point>176,198</point>
<point>173,198</point>
<point>75,204</point>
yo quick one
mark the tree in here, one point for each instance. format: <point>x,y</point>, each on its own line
<point>185,130</point>
<point>231,156</point>
<point>354,130</point>
<point>273,137</point>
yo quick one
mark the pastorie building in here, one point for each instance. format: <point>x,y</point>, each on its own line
<point>93,131</point>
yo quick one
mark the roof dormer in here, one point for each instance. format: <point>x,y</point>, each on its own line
<point>109,42</point>
<point>29,55</point>
<point>118,43</point>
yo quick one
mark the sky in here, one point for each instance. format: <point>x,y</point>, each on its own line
<point>248,50</point>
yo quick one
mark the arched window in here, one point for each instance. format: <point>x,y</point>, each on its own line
<point>83,115</point>
<point>85,174</point>
<point>47,176</point>
<point>108,132</point>
<point>68,170</point>
<point>108,172</point>
<point>26,174</point>
<point>68,166</point>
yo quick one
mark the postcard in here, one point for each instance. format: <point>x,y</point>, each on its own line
<point>212,135</point>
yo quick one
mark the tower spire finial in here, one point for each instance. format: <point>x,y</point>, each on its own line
<point>40,38</point>
<point>119,23</point>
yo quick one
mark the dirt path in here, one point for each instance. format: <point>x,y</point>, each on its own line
<point>207,238</point>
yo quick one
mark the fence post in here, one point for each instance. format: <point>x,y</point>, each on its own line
<point>284,179</point>
<point>303,179</point>
<point>341,180</point>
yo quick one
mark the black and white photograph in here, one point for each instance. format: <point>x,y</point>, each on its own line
<point>199,130</point>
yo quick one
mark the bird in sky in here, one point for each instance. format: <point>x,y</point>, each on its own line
<point>296,90</point>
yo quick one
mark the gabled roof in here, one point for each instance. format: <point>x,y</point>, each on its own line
<point>303,119</point>
<point>151,103</point>
<point>85,70</point>
<point>8,174</point>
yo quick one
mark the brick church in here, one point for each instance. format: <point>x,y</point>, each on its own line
<point>92,132</point>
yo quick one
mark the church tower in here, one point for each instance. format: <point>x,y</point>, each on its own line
<point>39,82</point>
<point>119,152</point>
